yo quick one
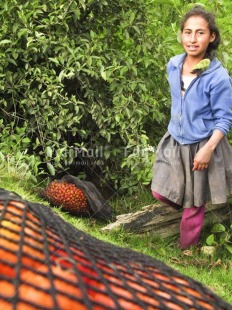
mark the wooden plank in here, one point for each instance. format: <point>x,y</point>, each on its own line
<point>164,221</point>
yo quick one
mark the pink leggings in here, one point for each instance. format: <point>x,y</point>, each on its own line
<point>166,201</point>
<point>191,222</point>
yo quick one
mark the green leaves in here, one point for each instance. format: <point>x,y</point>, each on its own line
<point>210,240</point>
<point>218,228</point>
<point>51,169</point>
<point>77,76</point>
<point>3,42</point>
<point>89,73</point>
<point>220,237</point>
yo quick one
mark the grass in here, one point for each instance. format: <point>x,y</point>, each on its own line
<point>213,271</point>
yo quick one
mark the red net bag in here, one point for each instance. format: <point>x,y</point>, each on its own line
<point>45,263</point>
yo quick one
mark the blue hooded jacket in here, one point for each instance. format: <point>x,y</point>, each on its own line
<point>205,106</point>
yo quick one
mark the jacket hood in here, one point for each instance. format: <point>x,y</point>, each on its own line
<point>178,60</point>
<point>206,105</point>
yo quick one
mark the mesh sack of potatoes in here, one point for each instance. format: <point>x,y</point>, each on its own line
<point>45,263</point>
<point>77,197</point>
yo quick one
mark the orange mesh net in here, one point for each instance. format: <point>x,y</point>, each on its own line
<point>45,263</point>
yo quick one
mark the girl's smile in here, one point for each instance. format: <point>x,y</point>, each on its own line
<point>196,37</point>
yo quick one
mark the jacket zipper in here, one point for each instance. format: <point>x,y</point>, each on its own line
<point>182,103</point>
<point>181,107</point>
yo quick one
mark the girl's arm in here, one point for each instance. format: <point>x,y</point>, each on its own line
<point>203,156</point>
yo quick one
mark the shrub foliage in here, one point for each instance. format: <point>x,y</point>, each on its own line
<point>83,83</point>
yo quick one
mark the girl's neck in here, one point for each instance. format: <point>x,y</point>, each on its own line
<point>188,65</point>
<point>192,61</point>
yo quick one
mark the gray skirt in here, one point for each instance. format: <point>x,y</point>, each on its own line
<point>174,179</point>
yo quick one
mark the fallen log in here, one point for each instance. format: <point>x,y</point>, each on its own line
<point>164,221</point>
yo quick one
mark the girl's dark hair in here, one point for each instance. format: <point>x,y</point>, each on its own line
<point>210,19</point>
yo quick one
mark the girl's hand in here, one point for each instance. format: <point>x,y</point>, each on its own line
<point>202,158</point>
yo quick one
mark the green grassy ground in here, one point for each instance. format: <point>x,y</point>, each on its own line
<point>213,271</point>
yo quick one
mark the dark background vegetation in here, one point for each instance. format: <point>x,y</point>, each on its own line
<point>83,84</point>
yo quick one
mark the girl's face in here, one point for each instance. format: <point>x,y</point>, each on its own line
<point>196,37</point>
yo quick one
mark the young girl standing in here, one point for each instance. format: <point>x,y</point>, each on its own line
<point>193,165</point>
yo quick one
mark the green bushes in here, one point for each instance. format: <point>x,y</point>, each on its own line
<point>83,84</point>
